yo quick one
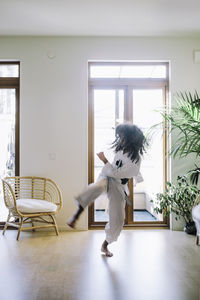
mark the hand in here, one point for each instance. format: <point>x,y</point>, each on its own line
<point>102,157</point>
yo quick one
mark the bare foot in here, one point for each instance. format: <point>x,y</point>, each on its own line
<point>71,222</point>
<point>105,250</point>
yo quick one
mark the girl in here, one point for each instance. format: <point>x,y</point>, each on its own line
<point>128,146</point>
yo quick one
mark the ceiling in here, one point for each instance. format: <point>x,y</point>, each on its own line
<point>100,17</point>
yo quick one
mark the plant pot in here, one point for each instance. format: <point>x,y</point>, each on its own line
<point>190,228</point>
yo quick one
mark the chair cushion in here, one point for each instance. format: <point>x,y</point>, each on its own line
<point>35,206</point>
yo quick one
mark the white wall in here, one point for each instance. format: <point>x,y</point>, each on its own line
<point>53,99</point>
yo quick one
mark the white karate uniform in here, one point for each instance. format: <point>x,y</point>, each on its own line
<point>196,217</point>
<point>109,181</point>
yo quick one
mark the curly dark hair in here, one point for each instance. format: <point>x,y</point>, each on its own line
<point>131,140</point>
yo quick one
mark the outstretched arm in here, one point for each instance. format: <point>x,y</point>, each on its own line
<point>102,157</point>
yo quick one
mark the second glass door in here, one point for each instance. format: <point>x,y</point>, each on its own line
<point>112,106</point>
<point>146,102</point>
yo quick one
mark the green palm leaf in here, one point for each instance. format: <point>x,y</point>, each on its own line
<point>185,119</point>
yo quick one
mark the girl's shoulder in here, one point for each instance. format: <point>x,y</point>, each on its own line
<point>125,158</point>
<point>119,154</point>
<point>122,156</point>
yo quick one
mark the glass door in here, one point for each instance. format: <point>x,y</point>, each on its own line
<point>111,107</point>
<point>145,103</point>
<point>108,107</point>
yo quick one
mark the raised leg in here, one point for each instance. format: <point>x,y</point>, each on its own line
<point>72,221</point>
<point>93,191</point>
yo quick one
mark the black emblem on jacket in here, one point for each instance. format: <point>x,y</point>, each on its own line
<point>119,164</point>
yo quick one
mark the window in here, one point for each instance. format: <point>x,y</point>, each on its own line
<point>128,71</point>
<point>9,123</point>
<point>9,70</point>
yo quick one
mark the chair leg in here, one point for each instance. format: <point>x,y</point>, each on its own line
<point>6,225</point>
<point>198,240</point>
<point>20,228</point>
<point>55,225</point>
<point>32,225</point>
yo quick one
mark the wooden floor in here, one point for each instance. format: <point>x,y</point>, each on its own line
<point>147,264</point>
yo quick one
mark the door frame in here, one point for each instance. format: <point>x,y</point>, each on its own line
<point>128,85</point>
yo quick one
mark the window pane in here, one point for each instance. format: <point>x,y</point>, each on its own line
<point>145,104</point>
<point>7,138</point>
<point>9,70</point>
<point>159,72</point>
<point>153,71</point>
<point>104,134</point>
<point>108,112</point>
<point>128,71</point>
<point>104,71</point>
<point>7,132</point>
<point>104,124</point>
<point>121,107</point>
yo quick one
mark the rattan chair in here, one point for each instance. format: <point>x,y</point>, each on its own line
<point>196,218</point>
<point>31,200</point>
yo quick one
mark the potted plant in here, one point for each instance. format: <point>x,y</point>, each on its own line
<point>178,198</point>
<point>184,118</point>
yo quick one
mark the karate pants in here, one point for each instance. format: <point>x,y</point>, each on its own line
<point>116,207</point>
<point>196,217</point>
